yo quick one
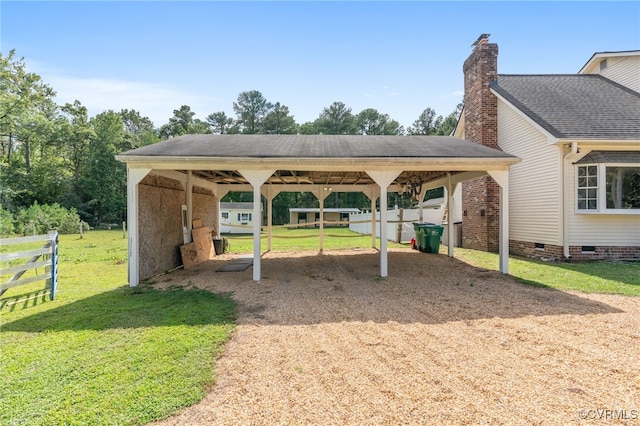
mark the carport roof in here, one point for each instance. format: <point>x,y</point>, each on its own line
<point>317,159</point>
<point>315,146</point>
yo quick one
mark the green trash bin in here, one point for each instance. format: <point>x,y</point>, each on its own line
<point>434,233</point>
<point>422,238</point>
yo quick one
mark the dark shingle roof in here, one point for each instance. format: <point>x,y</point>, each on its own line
<point>236,205</point>
<point>316,146</point>
<point>593,157</point>
<point>574,106</point>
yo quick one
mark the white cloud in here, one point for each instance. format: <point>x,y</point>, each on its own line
<point>456,94</point>
<point>153,100</point>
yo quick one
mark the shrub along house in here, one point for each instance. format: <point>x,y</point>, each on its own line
<point>576,192</point>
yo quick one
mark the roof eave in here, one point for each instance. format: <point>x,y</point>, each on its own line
<point>608,143</point>
<point>319,164</point>
<point>599,55</point>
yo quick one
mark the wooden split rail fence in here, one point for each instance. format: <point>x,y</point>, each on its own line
<point>45,257</point>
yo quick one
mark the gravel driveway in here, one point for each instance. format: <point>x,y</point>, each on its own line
<point>321,340</point>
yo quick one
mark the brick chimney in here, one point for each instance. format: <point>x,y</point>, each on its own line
<point>481,197</point>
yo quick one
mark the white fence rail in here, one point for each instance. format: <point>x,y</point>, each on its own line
<point>49,252</point>
<point>361,222</point>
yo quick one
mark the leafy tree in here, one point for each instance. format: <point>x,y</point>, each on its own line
<point>220,122</point>
<point>73,138</point>
<point>138,130</point>
<point>199,127</point>
<point>450,122</point>
<point>279,121</point>
<point>21,94</point>
<point>251,108</point>
<point>183,123</point>
<point>336,119</point>
<point>426,124</point>
<point>104,179</point>
<point>308,128</point>
<point>371,122</point>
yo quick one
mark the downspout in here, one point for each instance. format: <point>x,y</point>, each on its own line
<point>565,214</point>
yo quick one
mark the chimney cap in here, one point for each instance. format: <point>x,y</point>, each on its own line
<point>483,37</point>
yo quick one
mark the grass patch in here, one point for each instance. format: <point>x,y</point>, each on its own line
<point>104,353</point>
<point>588,277</point>
<point>303,239</point>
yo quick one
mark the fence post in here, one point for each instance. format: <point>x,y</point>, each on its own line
<point>54,263</point>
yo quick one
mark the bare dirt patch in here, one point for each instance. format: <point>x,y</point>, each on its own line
<point>322,340</point>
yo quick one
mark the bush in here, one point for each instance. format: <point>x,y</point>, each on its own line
<point>6,223</point>
<point>43,218</point>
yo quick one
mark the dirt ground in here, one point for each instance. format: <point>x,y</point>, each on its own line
<point>323,341</point>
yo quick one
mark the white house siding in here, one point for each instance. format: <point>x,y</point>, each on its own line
<point>534,183</point>
<point>235,226</point>
<point>616,230</point>
<point>624,71</point>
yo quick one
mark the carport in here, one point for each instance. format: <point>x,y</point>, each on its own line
<point>269,164</point>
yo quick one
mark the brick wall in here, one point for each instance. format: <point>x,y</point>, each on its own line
<point>528,249</point>
<point>481,197</point>
<point>605,253</point>
<point>481,214</point>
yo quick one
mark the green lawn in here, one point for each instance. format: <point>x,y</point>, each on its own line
<point>103,353</point>
<point>587,277</point>
<point>299,239</point>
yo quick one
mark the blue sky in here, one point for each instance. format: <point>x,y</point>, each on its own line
<point>397,57</point>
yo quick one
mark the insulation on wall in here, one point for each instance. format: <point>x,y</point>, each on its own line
<point>160,222</point>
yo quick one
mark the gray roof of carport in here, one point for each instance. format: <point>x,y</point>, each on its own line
<point>316,146</point>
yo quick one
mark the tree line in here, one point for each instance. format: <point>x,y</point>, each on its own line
<point>57,155</point>
<point>256,115</point>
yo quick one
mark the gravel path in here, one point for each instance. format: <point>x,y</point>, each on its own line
<point>322,341</point>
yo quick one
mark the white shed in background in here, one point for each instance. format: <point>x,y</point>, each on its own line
<point>236,218</point>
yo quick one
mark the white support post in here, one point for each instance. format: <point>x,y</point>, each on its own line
<point>423,192</point>
<point>502,178</point>
<point>134,177</point>
<point>322,193</point>
<point>256,178</point>
<point>189,190</point>
<point>450,187</point>
<point>269,220</point>
<point>372,194</point>
<point>216,216</point>
<point>270,194</point>
<point>383,179</point>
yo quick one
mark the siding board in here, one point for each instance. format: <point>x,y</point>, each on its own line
<point>534,183</point>
<point>624,71</point>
